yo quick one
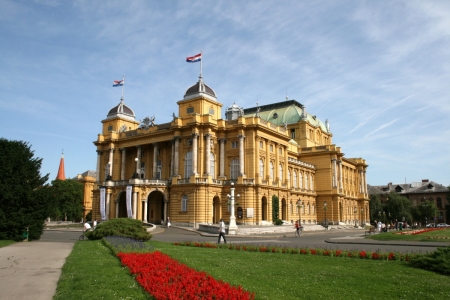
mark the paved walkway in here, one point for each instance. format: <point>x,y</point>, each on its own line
<point>31,270</point>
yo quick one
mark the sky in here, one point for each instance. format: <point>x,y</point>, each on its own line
<point>379,71</point>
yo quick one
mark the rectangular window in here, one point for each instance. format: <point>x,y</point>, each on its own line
<point>190,110</point>
<point>211,111</point>
<point>281,151</point>
<point>292,133</point>
<point>261,145</point>
<point>234,145</point>
<point>110,128</point>
<point>271,148</point>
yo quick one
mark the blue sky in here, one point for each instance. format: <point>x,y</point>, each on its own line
<point>379,71</point>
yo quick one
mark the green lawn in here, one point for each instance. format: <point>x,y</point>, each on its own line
<point>92,272</point>
<point>4,243</point>
<point>431,236</point>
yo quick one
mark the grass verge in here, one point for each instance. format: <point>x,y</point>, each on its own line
<point>4,243</point>
<point>430,236</point>
<point>92,272</point>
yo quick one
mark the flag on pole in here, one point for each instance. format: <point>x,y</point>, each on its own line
<point>195,58</point>
<point>118,82</point>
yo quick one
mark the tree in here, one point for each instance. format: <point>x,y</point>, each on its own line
<point>375,207</point>
<point>447,207</point>
<point>275,207</point>
<point>68,199</point>
<point>399,207</point>
<point>23,193</point>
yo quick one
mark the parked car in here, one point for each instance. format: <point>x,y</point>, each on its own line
<point>442,225</point>
<point>430,225</point>
<point>286,222</point>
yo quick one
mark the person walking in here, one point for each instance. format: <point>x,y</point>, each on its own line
<point>297,229</point>
<point>221,231</point>
<point>168,222</point>
<point>95,223</point>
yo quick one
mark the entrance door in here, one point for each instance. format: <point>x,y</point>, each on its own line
<point>123,205</point>
<point>216,210</point>
<point>264,209</point>
<point>155,207</point>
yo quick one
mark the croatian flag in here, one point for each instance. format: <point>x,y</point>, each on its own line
<point>118,83</point>
<point>195,58</point>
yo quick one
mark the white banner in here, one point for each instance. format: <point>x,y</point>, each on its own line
<point>129,210</point>
<point>102,203</point>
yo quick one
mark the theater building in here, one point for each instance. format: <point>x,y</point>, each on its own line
<point>279,159</point>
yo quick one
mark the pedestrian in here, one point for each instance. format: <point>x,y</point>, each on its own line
<point>87,227</point>
<point>297,229</point>
<point>221,231</point>
<point>379,226</point>
<point>95,223</point>
<point>168,222</point>
<point>396,225</point>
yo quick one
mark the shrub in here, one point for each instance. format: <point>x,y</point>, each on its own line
<point>278,222</point>
<point>120,227</point>
<point>437,261</point>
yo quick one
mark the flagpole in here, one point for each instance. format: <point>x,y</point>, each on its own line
<point>201,62</point>
<point>123,84</point>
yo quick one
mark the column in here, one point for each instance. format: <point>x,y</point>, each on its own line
<point>155,159</point>
<point>138,156</point>
<point>207,154</point>
<point>360,181</point>
<point>222,157</point>
<point>145,210</point>
<point>134,204</point>
<point>117,208</point>
<point>97,174</point>
<point>365,182</point>
<point>108,198</point>
<point>267,173</point>
<point>172,158</point>
<point>194,153</point>
<point>110,161</point>
<point>177,156</point>
<point>241,154</point>
<point>340,175</point>
<point>165,209</point>
<point>122,169</point>
<point>334,172</point>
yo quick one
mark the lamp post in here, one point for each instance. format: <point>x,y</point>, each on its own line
<point>136,173</point>
<point>325,209</point>
<point>299,206</point>
<point>354,212</point>
<point>426,213</point>
<point>232,228</point>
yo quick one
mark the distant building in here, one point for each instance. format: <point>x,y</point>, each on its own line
<point>417,193</point>
<point>61,173</point>
<point>184,169</point>
<point>88,179</point>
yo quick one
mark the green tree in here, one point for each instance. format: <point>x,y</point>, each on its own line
<point>23,193</point>
<point>275,208</point>
<point>68,199</point>
<point>447,207</point>
<point>399,207</point>
<point>375,207</point>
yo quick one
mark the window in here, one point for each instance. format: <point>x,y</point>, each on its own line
<point>300,175</point>
<point>234,171</point>
<point>110,128</point>
<point>275,116</point>
<point>271,148</point>
<point>234,145</point>
<point>142,172</point>
<point>188,164</point>
<point>261,145</point>
<point>439,202</point>
<point>184,203</point>
<point>280,172</point>
<point>306,181</point>
<point>280,151</point>
<point>212,162</point>
<point>190,110</point>
<point>289,176</point>
<point>211,111</point>
<point>295,179</point>
<point>292,133</point>
<point>271,170</point>
<point>158,169</point>
<point>261,168</point>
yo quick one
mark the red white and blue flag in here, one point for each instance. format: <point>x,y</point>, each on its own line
<point>195,58</point>
<point>118,82</point>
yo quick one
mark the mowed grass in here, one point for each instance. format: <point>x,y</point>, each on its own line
<point>430,236</point>
<point>93,272</point>
<point>4,243</point>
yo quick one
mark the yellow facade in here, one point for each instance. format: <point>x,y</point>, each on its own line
<point>183,169</point>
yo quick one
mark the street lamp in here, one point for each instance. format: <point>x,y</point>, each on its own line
<point>136,174</point>
<point>299,206</point>
<point>426,213</point>
<point>355,212</point>
<point>325,209</point>
<point>232,228</point>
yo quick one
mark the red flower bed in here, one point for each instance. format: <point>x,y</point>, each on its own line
<point>165,278</point>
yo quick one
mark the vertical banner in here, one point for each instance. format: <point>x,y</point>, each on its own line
<point>102,203</point>
<point>129,210</point>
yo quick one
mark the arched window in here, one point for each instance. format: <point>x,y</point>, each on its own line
<point>158,169</point>
<point>234,169</point>
<point>280,172</point>
<point>184,203</point>
<point>188,164</point>
<point>261,168</point>
<point>300,178</point>
<point>312,183</point>
<point>306,181</point>
<point>295,179</point>
<point>212,163</point>
<point>289,176</point>
<point>271,171</point>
